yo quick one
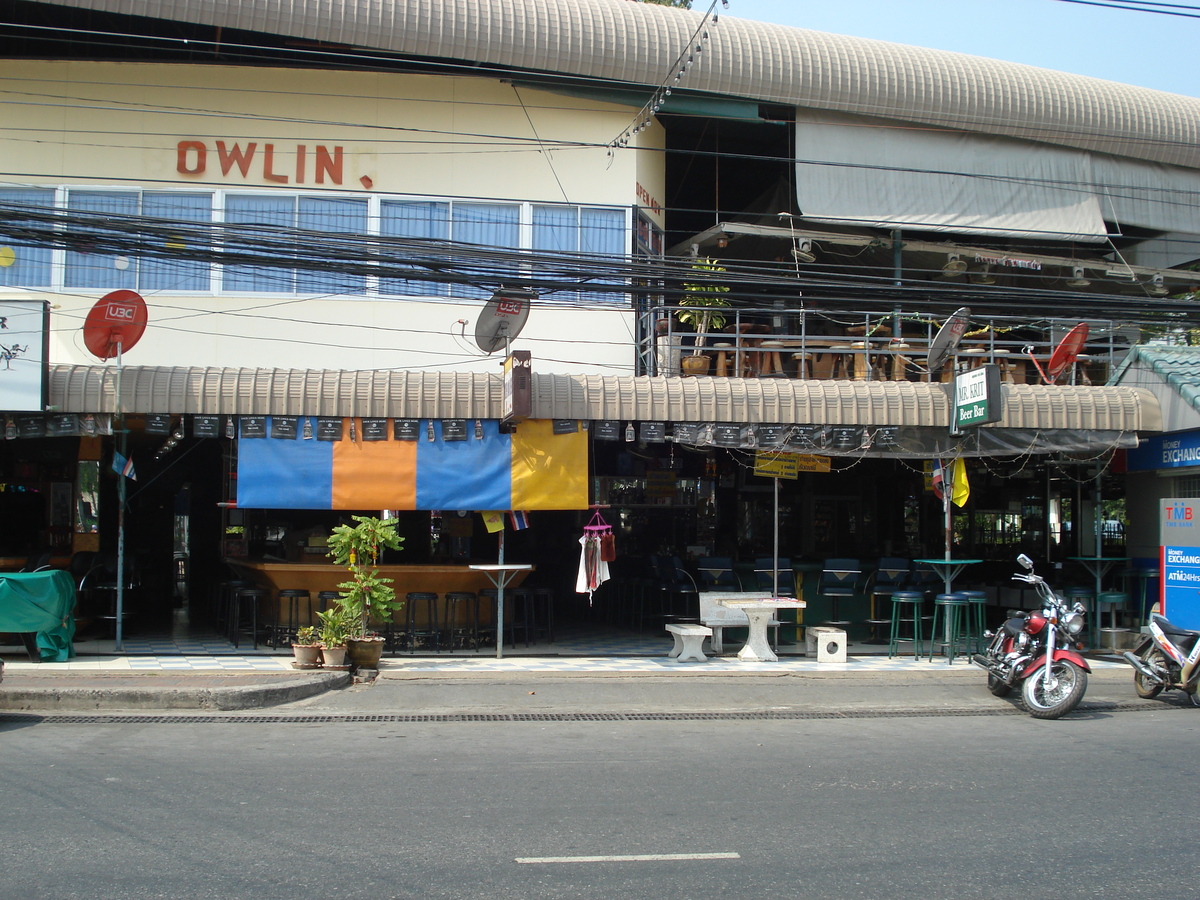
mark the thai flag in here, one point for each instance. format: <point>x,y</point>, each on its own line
<point>123,466</point>
<point>520,520</point>
<point>939,476</point>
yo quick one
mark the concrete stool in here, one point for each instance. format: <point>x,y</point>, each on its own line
<point>1116,601</point>
<point>723,348</point>
<point>976,618</point>
<point>953,608</point>
<point>770,363</point>
<point>689,642</point>
<point>828,644</point>
<point>906,607</point>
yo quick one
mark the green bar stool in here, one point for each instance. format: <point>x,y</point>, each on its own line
<point>953,609</point>
<point>906,608</point>
<point>976,618</point>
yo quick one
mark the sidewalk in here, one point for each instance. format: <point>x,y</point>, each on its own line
<point>518,685</point>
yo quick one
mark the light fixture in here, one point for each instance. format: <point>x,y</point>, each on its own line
<point>722,242</point>
<point>803,251</point>
<point>1077,279</point>
<point>954,266</point>
<point>1157,287</point>
<point>983,276</point>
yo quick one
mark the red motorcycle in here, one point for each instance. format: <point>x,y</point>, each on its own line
<point>1034,650</point>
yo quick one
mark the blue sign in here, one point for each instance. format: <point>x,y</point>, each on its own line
<point>1181,586</point>
<point>1165,451</point>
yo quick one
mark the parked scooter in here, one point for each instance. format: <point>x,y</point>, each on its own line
<point>1168,658</point>
<point>1033,649</point>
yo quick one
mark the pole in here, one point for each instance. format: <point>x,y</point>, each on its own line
<point>123,448</point>
<point>775,557</point>
<point>500,580</point>
<point>948,509</point>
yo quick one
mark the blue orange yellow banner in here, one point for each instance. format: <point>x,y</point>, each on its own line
<point>532,469</point>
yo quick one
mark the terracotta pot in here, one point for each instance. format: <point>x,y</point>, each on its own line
<point>308,656</point>
<point>335,657</point>
<point>365,652</point>
<point>694,365</point>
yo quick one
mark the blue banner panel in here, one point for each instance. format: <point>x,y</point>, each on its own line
<point>283,474</point>
<point>1179,449</point>
<point>470,474</point>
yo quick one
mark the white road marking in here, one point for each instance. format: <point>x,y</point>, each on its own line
<point>636,857</point>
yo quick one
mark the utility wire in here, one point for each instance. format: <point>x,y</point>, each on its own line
<point>1162,9</point>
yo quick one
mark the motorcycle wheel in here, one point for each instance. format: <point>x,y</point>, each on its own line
<point>1147,689</point>
<point>998,687</point>
<point>1057,700</point>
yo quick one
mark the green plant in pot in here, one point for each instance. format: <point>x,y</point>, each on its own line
<point>701,308</point>
<point>367,595</point>
<point>335,627</point>
<point>306,648</point>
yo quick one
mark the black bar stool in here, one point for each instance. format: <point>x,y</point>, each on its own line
<point>292,599</point>
<point>246,600</point>
<point>427,630</point>
<point>461,621</point>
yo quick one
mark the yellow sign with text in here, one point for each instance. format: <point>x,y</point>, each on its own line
<point>788,465</point>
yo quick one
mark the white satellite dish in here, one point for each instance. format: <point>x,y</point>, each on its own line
<point>945,342</point>
<point>502,319</point>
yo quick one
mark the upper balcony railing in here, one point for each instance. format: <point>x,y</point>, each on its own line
<point>843,344</point>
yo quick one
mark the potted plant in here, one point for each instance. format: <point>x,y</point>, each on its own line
<point>306,649</point>
<point>367,594</point>
<point>333,633</point>
<point>699,308</point>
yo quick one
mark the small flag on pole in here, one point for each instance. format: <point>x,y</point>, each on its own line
<point>938,478</point>
<point>123,466</point>
<point>494,521</point>
<point>520,520</point>
<point>962,489</point>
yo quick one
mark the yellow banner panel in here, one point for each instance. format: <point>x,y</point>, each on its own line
<point>549,471</point>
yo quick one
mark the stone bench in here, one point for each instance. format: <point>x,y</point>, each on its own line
<point>827,644</point>
<point>689,642</point>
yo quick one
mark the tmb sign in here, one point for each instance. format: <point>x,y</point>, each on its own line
<point>977,397</point>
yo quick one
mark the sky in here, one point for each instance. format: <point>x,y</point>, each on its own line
<point>1140,48</point>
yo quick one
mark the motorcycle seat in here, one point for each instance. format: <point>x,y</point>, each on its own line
<point>1168,628</point>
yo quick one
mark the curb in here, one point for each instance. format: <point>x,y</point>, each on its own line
<point>209,697</point>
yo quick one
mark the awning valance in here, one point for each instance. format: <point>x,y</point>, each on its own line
<point>419,395</point>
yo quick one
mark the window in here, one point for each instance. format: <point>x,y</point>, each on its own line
<point>164,274</point>
<point>493,226</point>
<point>573,229</point>
<point>105,270</point>
<point>424,220</point>
<point>24,266</point>
<point>274,213</point>
<point>331,215</point>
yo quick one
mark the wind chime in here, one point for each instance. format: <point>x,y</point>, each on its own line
<point>599,548</point>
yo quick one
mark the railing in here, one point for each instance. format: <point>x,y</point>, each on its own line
<point>841,344</point>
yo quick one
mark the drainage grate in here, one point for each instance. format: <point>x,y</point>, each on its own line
<point>453,718</point>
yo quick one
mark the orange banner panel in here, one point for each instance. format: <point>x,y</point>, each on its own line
<point>374,474</point>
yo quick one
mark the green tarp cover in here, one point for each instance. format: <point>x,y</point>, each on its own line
<point>41,602</point>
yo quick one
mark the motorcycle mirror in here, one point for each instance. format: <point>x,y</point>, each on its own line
<point>1025,561</point>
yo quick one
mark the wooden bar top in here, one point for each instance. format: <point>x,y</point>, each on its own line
<point>315,577</point>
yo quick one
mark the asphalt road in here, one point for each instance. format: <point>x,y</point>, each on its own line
<point>1099,805</point>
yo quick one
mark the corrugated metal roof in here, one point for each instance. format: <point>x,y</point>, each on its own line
<point>1177,366</point>
<point>636,43</point>
<point>386,394</point>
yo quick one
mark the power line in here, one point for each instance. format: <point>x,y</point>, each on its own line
<point>1162,9</point>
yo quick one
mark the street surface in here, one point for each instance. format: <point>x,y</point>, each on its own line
<point>1099,805</point>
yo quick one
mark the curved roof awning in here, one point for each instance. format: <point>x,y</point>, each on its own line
<point>393,394</point>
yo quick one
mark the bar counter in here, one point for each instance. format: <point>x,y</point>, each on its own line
<point>315,577</point>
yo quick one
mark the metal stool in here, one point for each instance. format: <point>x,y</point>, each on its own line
<point>953,608</point>
<point>428,630</point>
<point>461,620</point>
<point>906,607</point>
<point>291,598</point>
<point>251,597</point>
<point>226,595</point>
<point>543,613</point>
<point>1116,601</point>
<point>976,618</point>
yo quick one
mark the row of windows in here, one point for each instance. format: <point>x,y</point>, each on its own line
<point>508,226</point>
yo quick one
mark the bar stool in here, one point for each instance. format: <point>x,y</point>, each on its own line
<point>953,608</point>
<point>226,602</point>
<point>246,599</point>
<point>1139,592</point>
<point>976,618</point>
<point>906,607</point>
<point>543,613</point>
<point>770,364</point>
<point>1116,601</point>
<point>426,630</point>
<point>292,598</point>
<point>461,620</point>
<point>723,348</point>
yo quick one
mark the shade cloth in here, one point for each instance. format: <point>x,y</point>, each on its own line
<point>532,469</point>
<point>43,602</point>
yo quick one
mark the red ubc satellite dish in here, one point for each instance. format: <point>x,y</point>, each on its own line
<point>1065,353</point>
<point>115,323</point>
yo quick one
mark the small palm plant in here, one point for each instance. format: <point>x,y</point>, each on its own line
<point>701,302</point>
<point>367,594</point>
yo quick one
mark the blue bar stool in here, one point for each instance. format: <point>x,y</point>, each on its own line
<point>953,608</point>
<point>906,607</point>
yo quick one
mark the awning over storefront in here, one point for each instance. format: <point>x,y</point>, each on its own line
<point>443,395</point>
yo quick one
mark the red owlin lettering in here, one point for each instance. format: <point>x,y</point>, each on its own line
<point>236,156</point>
<point>182,149</point>
<point>331,165</point>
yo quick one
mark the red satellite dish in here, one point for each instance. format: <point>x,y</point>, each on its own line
<point>1065,353</point>
<point>115,323</point>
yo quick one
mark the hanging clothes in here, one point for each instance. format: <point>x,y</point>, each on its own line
<point>593,566</point>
